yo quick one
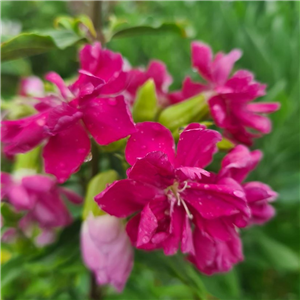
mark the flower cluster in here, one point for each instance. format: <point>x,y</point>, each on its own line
<point>171,201</point>
<point>41,200</point>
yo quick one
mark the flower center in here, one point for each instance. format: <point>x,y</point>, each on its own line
<point>174,191</point>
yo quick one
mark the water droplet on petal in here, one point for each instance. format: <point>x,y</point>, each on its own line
<point>112,102</point>
<point>145,239</point>
<point>239,193</point>
<point>89,157</point>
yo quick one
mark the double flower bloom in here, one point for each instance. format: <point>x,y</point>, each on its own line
<point>172,201</point>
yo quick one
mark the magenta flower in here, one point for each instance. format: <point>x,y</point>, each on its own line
<point>41,200</point>
<point>106,250</point>
<point>156,71</point>
<point>64,122</point>
<point>228,99</point>
<point>172,193</point>
<point>237,165</point>
<point>101,72</point>
<point>215,255</point>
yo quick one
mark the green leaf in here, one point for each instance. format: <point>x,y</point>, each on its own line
<point>179,28</point>
<point>183,113</point>
<point>20,67</point>
<point>145,105</point>
<point>27,44</point>
<point>75,24</point>
<point>10,217</point>
<point>278,255</point>
<point>11,270</point>
<point>97,185</point>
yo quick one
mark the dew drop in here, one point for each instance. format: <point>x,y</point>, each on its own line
<point>145,239</point>
<point>112,102</point>
<point>239,193</point>
<point>89,157</point>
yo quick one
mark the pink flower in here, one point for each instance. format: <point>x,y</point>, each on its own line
<point>228,99</point>
<point>214,255</point>
<point>237,165</point>
<point>64,122</point>
<point>156,71</point>
<point>172,193</point>
<point>101,72</point>
<point>106,250</point>
<point>31,86</point>
<point>41,200</point>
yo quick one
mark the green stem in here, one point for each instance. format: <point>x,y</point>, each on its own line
<point>95,159</point>
<point>97,18</point>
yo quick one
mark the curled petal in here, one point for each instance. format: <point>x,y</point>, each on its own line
<point>239,162</point>
<point>62,117</point>
<point>192,173</point>
<point>258,196</point>
<point>258,191</point>
<point>58,81</point>
<point>66,151</point>
<point>150,137</point>
<point>196,146</point>
<point>100,62</point>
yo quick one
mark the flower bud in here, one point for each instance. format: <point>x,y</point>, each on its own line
<point>106,250</point>
<point>178,115</point>
<point>145,105</point>
<point>96,185</point>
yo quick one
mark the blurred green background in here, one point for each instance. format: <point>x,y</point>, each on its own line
<point>268,34</point>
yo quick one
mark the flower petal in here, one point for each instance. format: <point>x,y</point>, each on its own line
<point>154,169</point>
<point>196,146</point>
<point>20,198</point>
<point>125,197</point>
<point>147,226</point>
<point>239,162</point>
<point>23,135</point>
<point>202,59</point>
<point>215,200</point>
<point>66,151</point>
<point>223,64</point>
<point>187,244</point>
<point>38,183</point>
<point>62,117</point>
<point>58,81</point>
<point>108,119</point>
<point>150,137</point>
<point>263,107</point>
